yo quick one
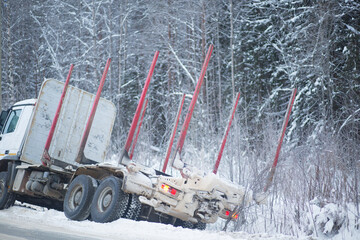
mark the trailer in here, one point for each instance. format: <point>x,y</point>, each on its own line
<point>105,191</point>
<point>52,153</point>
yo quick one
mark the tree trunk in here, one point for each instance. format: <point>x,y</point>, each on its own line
<point>0,54</point>
<point>110,51</point>
<point>10,62</point>
<point>232,48</point>
<point>219,70</point>
<point>232,77</point>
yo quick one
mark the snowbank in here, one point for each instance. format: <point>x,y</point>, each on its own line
<point>332,221</point>
<point>33,217</point>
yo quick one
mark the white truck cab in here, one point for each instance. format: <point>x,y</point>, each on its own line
<point>13,126</point>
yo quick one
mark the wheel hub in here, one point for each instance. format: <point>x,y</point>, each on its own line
<point>105,199</point>
<point>75,197</point>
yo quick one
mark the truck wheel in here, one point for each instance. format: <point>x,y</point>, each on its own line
<point>188,224</point>
<point>78,197</point>
<point>134,208</point>
<point>109,202</point>
<point>7,198</point>
<point>200,226</point>
<point>184,224</point>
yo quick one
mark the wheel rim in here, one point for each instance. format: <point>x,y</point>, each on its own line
<point>75,197</point>
<point>105,199</point>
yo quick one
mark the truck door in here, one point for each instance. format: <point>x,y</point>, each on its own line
<point>13,130</point>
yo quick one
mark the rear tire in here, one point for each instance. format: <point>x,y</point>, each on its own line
<point>183,224</point>
<point>7,198</point>
<point>200,226</point>
<point>109,202</point>
<point>188,225</point>
<point>134,208</point>
<point>78,198</point>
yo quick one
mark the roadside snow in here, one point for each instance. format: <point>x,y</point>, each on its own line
<point>33,217</point>
<point>332,221</point>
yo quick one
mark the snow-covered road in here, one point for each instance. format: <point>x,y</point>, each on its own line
<point>31,222</point>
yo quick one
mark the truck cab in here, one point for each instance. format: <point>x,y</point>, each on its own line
<point>13,126</point>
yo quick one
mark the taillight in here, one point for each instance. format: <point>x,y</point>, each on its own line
<point>168,189</point>
<point>233,216</point>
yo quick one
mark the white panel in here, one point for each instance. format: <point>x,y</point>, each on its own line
<point>71,124</point>
<point>100,133</point>
<point>39,129</point>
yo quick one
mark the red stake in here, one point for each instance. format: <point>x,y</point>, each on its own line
<point>45,157</point>
<point>92,113</point>
<point>138,109</point>
<point>138,130</point>
<point>173,133</point>
<point>225,135</point>
<point>193,102</point>
<point>285,123</point>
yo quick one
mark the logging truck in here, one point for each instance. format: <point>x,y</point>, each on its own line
<point>53,153</point>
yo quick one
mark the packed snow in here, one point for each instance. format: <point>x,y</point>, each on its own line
<point>33,217</point>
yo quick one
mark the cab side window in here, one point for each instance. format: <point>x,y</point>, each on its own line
<point>12,121</point>
<point>3,117</point>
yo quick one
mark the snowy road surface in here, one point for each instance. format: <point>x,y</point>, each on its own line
<point>10,231</point>
<point>31,222</point>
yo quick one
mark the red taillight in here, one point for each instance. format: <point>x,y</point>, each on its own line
<point>234,215</point>
<point>168,189</point>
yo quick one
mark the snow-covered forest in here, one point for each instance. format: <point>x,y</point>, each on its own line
<point>262,48</point>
